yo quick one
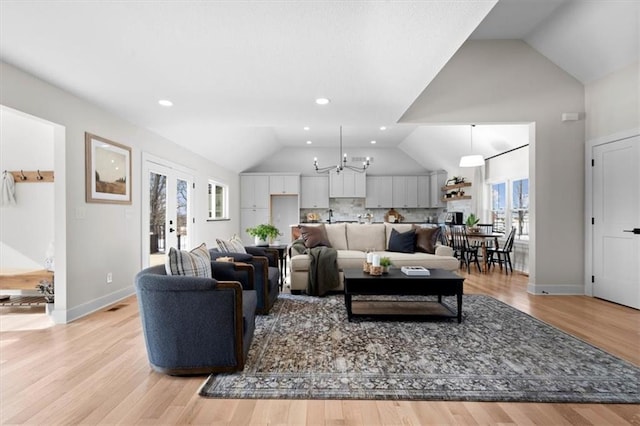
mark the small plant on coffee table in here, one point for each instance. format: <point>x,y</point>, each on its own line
<point>385,262</point>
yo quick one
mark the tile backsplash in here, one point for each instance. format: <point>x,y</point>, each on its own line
<point>348,209</point>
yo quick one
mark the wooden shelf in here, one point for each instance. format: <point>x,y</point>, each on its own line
<point>457,185</point>
<point>464,197</point>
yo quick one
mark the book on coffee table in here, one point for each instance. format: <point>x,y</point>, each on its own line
<point>415,270</point>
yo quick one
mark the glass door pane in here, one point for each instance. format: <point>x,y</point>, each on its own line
<point>182,213</point>
<point>167,211</point>
<point>157,217</point>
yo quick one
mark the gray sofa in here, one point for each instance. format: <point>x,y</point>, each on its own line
<point>196,325</point>
<point>352,240</point>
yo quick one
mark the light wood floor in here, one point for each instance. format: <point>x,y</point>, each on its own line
<point>95,371</point>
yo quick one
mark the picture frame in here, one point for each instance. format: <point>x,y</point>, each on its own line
<point>107,171</point>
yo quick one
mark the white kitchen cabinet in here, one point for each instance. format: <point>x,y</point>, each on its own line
<point>438,180</point>
<point>347,184</point>
<point>405,191</point>
<point>250,218</point>
<point>314,192</point>
<point>379,192</point>
<point>424,191</point>
<point>284,184</point>
<point>254,191</point>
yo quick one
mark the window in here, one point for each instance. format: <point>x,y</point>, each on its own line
<point>510,206</point>
<point>218,201</point>
<point>498,205</point>
<point>520,207</point>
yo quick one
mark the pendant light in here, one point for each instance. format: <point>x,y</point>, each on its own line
<point>472,160</point>
<point>342,163</point>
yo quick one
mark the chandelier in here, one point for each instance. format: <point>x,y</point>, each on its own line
<point>342,163</point>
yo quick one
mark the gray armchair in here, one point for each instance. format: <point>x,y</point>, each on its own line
<point>266,273</point>
<point>195,325</point>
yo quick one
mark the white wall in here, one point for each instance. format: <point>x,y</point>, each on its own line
<point>612,113</point>
<point>102,237</point>
<point>26,228</point>
<point>612,104</point>
<point>514,164</point>
<point>300,160</point>
<point>489,81</point>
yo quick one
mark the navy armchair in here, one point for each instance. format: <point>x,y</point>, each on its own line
<point>266,273</point>
<point>196,325</point>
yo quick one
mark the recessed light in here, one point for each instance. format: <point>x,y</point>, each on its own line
<point>373,142</point>
<point>322,101</point>
<point>309,142</point>
<point>165,102</point>
<point>383,128</point>
<point>306,127</point>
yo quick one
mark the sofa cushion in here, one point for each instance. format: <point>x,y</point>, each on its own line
<point>346,259</point>
<point>351,258</point>
<point>233,245</point>
<point>400,227</point>
<point>314,236</point>
<point>194,263</point>
<point>337,233</point>
<point>404,242</point>
<point>364,237</point>
<point>429,261</point>
<point>426,239</point>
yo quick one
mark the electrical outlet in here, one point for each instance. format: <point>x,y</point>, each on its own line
<point>109,277</point>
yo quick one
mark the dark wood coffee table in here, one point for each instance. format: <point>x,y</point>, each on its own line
<point>439,283</point>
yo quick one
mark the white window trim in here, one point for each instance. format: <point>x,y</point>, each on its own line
<point>212,201</point>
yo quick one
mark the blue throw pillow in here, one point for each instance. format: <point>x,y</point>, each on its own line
<point>402,242</point>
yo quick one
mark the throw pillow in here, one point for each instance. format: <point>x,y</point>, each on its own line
<point>314,236</point>
<point>233,245</point>
<point>402,242</point>
<point>194,263</point>
<point>426,239</point>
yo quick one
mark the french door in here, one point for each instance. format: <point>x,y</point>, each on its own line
<point>167,212</point>
<point>616,222</point>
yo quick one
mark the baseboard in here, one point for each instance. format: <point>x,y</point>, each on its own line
<point>559,289</point>
<point>66,316</point>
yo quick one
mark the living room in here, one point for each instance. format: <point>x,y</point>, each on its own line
<point>484,81</point>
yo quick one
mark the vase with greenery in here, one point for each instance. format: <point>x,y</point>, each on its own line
<point>385,262</point>
<point>263,233</point>
<point>472,221</point>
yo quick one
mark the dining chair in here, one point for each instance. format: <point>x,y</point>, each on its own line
<point>503,255</point>
<point>462,249</point>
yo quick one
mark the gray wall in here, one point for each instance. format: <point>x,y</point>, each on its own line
<point>108,237</point>
<point>508,81</point>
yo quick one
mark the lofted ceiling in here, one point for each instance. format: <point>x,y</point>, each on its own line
<point>246,73</point>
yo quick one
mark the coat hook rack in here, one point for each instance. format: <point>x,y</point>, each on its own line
<point>37,176</point>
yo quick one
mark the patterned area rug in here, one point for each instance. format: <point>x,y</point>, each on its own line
<point>306,349</point>
<point>23,301</point>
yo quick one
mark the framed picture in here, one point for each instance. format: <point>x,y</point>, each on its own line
<point>107,171</point>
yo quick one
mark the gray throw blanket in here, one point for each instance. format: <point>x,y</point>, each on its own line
<point>323,269</point>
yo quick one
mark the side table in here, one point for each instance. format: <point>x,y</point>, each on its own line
<point>282,260</point>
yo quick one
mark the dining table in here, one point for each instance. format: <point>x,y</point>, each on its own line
<point>482,238</point>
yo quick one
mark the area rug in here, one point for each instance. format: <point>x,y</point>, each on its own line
<point>306,349</point>
<point>23,301</point>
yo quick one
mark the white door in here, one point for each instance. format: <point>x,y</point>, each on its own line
<point>284,213</point>
<point>616,214</point>
<point>167,212</point>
